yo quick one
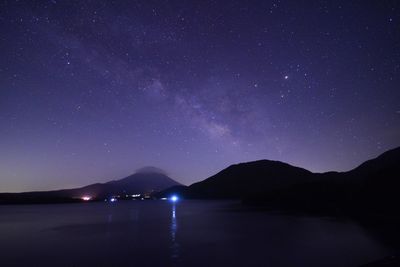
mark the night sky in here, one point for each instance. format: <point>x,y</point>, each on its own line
<point>90,91</point>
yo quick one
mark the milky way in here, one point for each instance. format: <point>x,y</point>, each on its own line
<point>92,90</point>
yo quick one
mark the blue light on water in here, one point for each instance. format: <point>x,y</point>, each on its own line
<point>174,198</point>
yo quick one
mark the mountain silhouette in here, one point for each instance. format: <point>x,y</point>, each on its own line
<point>249,178</point>
<point>145,180</point>
<point>371,187</point>
<point>377,182</point>
<point>245,179</point>
<point>140,182</point>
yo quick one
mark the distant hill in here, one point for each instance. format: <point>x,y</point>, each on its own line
<point>248,178</point>
<point>146,180</point>
<point>245,179</point>
<point>371,187</point>
<point>378,182</point>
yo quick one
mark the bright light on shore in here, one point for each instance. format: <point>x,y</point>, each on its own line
<point>174,198</point>
<point>86,198</point>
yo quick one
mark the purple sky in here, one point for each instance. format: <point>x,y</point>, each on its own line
<point>90,91</point>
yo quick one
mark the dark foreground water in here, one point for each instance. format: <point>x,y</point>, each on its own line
<point>188,233</point>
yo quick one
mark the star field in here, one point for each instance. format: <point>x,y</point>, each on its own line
<point>92,90</point>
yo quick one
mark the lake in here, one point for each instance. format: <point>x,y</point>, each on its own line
<point>186,233</point>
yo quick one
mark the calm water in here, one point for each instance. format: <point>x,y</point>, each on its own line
<point>188,233</point>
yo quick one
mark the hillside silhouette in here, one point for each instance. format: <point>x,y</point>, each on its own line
<point>371,188</point>
<point>146,180</point>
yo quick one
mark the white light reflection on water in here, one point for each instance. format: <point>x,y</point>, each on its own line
<point>174,228</point>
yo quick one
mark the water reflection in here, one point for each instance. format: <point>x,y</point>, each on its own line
<point>100,235</point>
<point>173,229</point>
<point>134,215</point>
<point>110,218</point>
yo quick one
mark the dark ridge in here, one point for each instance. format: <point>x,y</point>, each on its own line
<point>138,183</point>
<point>371,188</point>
